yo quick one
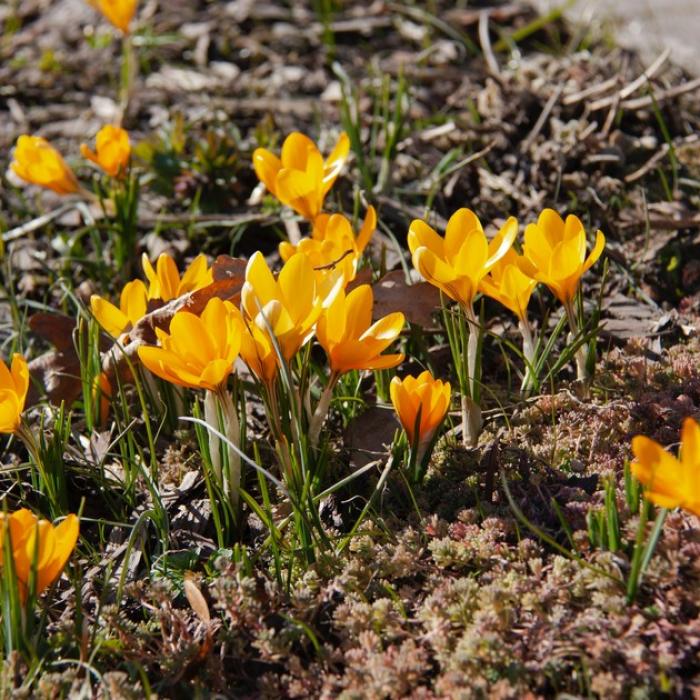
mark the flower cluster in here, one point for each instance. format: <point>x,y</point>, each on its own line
<point>464,263</point>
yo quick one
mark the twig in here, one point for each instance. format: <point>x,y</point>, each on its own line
<point>630,89</point>
<point>37,223</point>
<point>525,146</point>
<point>590,91</point>
<point>485,41</point>
<point>676,91</point>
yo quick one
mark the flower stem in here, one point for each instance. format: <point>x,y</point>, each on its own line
<point>321,411</point>
<point>529,354</point>
<point>232,430</point>
<point>211,417</point>
<point>471,411</point>
<point>581,354</point>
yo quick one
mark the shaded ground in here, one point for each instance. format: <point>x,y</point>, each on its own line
<point>459,599</point>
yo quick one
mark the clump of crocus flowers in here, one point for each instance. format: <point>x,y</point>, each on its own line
<point>456,265</point>
<point>198,352</point>
<point>465,263</point>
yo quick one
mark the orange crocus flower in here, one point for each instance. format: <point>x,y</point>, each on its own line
<point>425,394</point>
<point>670,482</point>
<point>133,304</point>
<point>165,282</point>
<point>457,263</point>
<point>50,552</point>
<point>333,245</point>
<point>300,178</point>
<point>289,305</point>
<point>36,161</point>
<point>113,150</point>
<point>199,351</point>
<point>554,253</point>
<point>351,341</point>
<point>14,384</point>
<point>118,12</point>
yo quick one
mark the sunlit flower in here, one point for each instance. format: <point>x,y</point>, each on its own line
<point>351,341</point>
<point>509,285</point>
<point>112,150</point>
<point>670,482</point>
<point>14,384</point>
<point>199,351</point>
<point>165,283</point>
<point>300,178</point>
<point>554,253</point>
<point>36,161</point>
<point>133,304</point>
<point>333,245</point>
<point>118,12</point>
<point>457,263</point>
<point>425,394</point>
<point>289,305</point>
<point>258,350</point>
<point>38,540</point>
<point>327,225</point>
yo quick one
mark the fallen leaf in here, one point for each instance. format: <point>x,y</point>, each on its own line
<point>417,301</point>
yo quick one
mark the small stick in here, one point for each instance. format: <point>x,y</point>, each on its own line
<point>628,90</point>
<point>539,124</point>
<point>485,41</point>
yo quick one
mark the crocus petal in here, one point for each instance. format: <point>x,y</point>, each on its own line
<point>462,224</point>
<point>65,537</point>
<point>109,316</point>
<point>420,235</point>
<point>20,377</point>
<point>506,237</point>
<point>296,151</point>
<point>10,411</point>
<point>266,166</point>
<point>690,447</point>
<point>597,251</point>
<point>369,226</point>
<point>335,162</point>
<point>358,311</point>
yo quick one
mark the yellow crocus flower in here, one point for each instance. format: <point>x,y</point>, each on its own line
<point>509,285</point>
<point>165,283</point>
<point>14,384</point>
<point>36,161</point>
<point>351,341</point>
<point>113,150</point>
<point>333,246</point>
<point>30,538</point>
<point>133,304</point>
<point>670,482</point>
<point>554,253</point>
<point>327,225</point>
<point>289,305</point>
<point>457,263</point>
<point>423,393</point>
<point>300,178</point>
<point>118,12</point>
<point>199,351</point>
